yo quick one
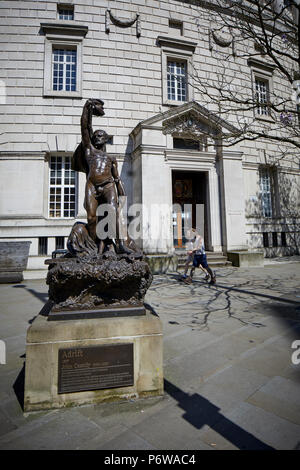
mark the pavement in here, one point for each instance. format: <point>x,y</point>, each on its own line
<point>232,377</point>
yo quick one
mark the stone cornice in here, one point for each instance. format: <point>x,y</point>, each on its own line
<point>250,165</point>
<point>232,155</point>
<point>147,149</point>
<point>44,156</point>
<point>275,221</point>
<point>63,28</point>
<point>176,43</point>
<point>11,155</point>
<point>190,156</point>
<point>261,65</point>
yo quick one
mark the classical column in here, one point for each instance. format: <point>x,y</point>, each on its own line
<point>233,201</point>
<point>214,210</point>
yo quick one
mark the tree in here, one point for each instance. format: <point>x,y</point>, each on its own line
<point>244,35</point>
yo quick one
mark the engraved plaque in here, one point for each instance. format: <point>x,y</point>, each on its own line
<point>95,367</point>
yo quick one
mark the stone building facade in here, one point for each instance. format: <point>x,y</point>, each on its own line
<point>135,55</point>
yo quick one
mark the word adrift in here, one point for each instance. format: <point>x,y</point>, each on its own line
<point>72,353</point>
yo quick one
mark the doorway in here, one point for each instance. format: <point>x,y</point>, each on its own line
<point>189,190</point>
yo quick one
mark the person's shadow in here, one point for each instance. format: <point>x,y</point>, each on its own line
<point>19,385</point>
<point>200,411</point>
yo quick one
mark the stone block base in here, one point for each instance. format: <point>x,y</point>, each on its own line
<point>11,277</point>
<point>246,258</point>
<point>160,264</point>
<point>13,261</point>
<point>45,339</point>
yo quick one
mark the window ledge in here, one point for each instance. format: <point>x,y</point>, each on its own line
<point>60,221</point>
<point>62,94</point>
<point>64,219</point>
<point>264,118</point>
<point>174,102</point>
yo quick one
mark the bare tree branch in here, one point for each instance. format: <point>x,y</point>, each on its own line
<point>265,32</point>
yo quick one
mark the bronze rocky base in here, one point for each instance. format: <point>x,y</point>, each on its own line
<point>98,282</point>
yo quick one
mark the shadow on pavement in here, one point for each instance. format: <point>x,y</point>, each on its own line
<point>199,412</point>
<point>42,296</point>
<point>19,385</point>
<point>228,288</point>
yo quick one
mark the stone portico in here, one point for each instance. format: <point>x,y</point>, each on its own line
<point>155,160</point>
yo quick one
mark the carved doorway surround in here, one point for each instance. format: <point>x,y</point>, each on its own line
<point>156,157</point>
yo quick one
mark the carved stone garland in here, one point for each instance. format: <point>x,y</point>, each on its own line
<point>213,37</point>
<point>121,23</point>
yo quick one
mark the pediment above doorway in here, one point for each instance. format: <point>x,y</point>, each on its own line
<point>188,125</point>
<point>194,120</point>
<point>189,120</point>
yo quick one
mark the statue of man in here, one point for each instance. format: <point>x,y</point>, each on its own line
<point>103,184</point>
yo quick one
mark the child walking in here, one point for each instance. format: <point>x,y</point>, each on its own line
<point>198,256</point>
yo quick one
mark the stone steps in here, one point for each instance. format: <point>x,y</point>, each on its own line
<point>214,259</point>
<point>31,274</point>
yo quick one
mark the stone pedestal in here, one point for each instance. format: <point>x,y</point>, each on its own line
<point>54,347</point>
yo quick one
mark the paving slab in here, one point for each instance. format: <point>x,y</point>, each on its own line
<point>128,440</point>
<point>258,429</point>
<point>65,431</point>
<point>279,396</point>
<point>270,360</point>
<point>173,427</point>
<point>225,391</point>
<point>125,414</point>
<point>6,425</point>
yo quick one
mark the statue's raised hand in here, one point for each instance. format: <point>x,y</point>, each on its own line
<point>96,106</point>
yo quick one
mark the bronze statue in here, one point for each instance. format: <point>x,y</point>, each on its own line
<point>103,183</point>
<point>98,273</point>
